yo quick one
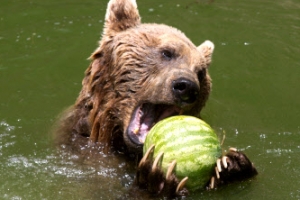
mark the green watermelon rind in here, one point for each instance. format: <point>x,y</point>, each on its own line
<point>197,160</point>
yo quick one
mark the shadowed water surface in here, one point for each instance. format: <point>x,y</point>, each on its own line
<point>255,98</point>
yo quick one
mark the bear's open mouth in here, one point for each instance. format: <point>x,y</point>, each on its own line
<point>145,117</point>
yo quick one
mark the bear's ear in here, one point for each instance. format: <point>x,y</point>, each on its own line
<point>207,48</point>
<point>120,15</point>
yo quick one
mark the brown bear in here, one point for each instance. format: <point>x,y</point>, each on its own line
<point>139,75</point>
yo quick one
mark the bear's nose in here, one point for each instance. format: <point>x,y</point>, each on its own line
<point>185,91</point>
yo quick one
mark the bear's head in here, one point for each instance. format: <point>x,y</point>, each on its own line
<point>139,75</point>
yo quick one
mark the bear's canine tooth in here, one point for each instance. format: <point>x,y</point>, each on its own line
<point>136,131</point>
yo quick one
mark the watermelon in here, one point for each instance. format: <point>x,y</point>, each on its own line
<point>191,142</point>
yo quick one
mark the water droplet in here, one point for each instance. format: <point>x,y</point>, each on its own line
<point>236,132</point>
<point>263,136</point>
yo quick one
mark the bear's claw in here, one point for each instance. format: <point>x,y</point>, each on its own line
<point>151,177</point>
<point>148,152</point>
<point>157,160</point>
<point>180,187</point>
<point>234,166</point>
<point>170,170</point>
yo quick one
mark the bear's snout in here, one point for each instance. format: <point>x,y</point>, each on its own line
<point>185,91</point>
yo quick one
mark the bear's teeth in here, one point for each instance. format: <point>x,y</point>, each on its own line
<point>136,131</point>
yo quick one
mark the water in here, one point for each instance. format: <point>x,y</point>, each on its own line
<point>255,98</point>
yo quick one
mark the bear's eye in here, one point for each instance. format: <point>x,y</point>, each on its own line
<point>201,74</point>
<point>167,54</point>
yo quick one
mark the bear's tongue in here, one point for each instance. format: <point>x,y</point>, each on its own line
<point>145,117</point>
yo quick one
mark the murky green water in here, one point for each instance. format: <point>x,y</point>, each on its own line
<point>255,99</point>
